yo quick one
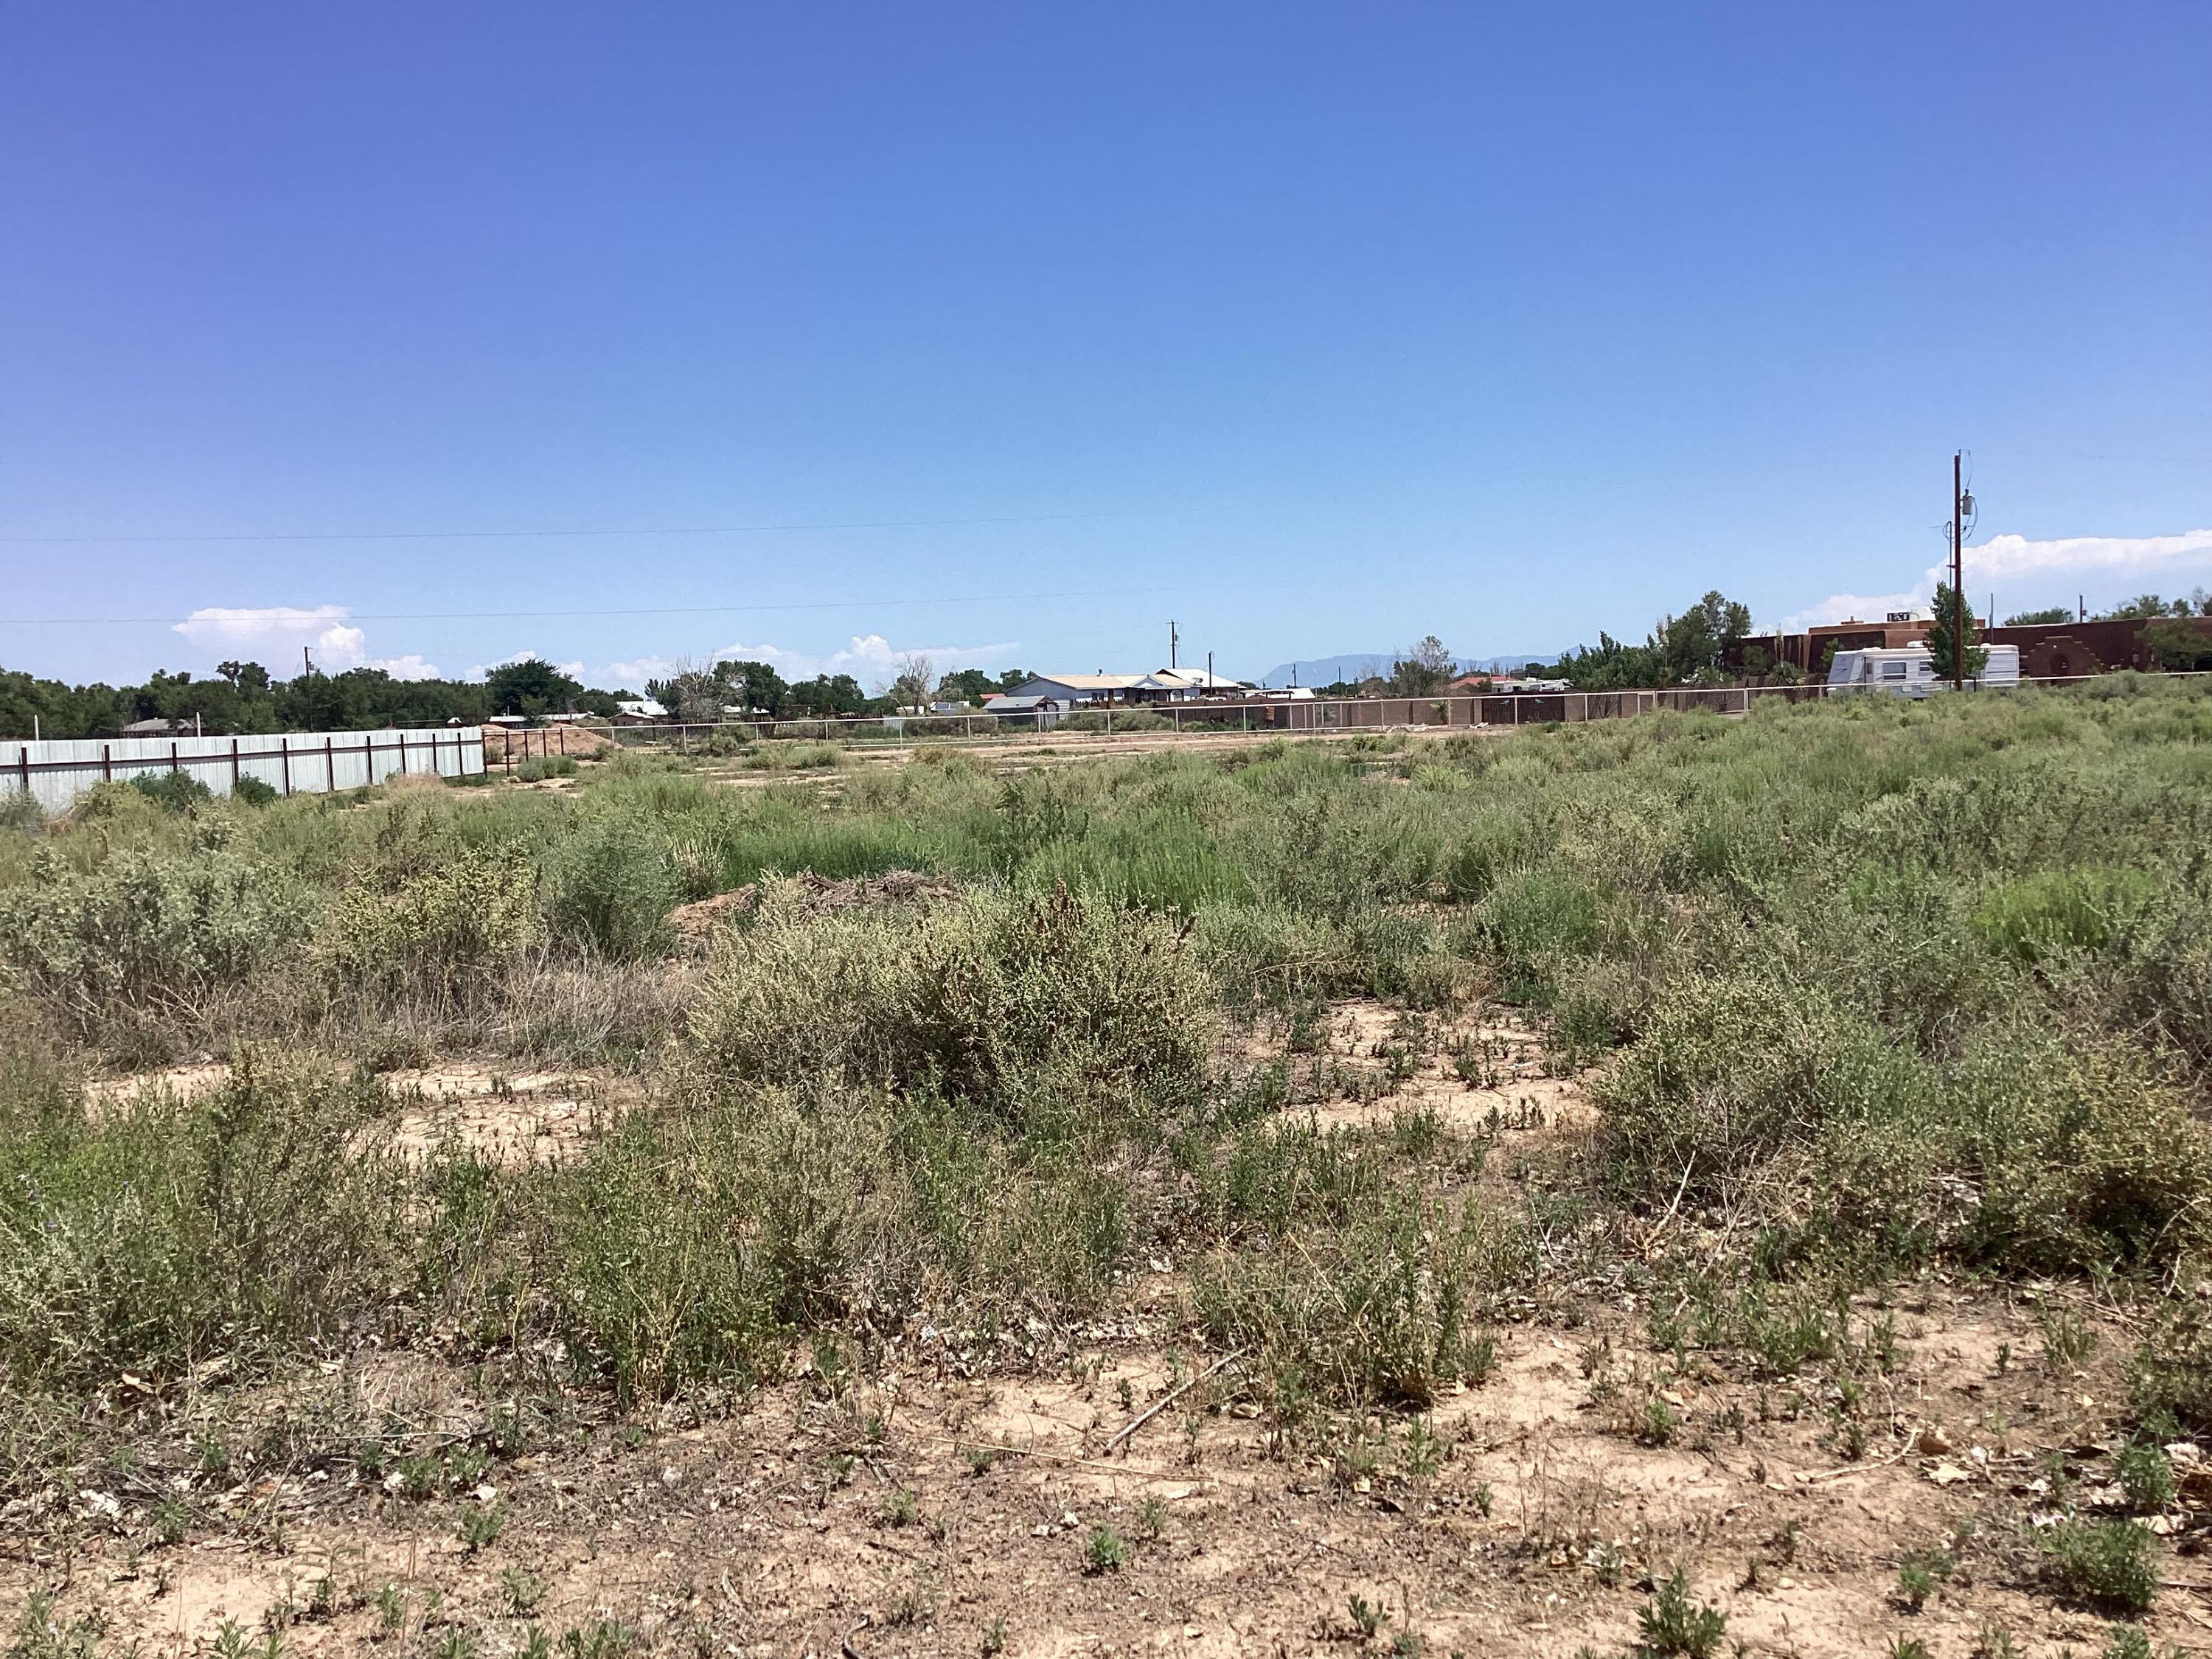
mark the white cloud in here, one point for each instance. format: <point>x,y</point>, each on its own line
<point>409,667</point>
<point>278,632</point>
<point>2026,574</point>
<point>275,635</point>
<point>869,657</point>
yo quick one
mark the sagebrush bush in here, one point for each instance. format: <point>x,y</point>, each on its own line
<point>159,1232</point>
<point>1385,1307</point>
<point>610,883</point>
<point>2109,1565</point>
<point>438,933</point>
<point>146,929</point>
<point>1039,1009</point>
<point>2170,1375</point>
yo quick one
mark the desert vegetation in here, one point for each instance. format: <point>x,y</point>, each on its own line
<point>1730,1069</point>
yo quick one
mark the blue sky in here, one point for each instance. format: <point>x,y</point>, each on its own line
<point>1010,332</point>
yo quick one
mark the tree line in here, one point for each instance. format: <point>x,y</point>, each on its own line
<point>243,696</point>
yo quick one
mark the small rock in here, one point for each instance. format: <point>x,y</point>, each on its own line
<point>1933,1441</point>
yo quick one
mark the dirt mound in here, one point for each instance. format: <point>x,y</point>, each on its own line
<point>814,894</point>
<point>582,741</point>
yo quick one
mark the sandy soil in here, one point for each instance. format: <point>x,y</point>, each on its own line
<point>931,1510</point>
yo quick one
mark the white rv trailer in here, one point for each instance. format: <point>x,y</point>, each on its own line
<point>1912,671</point>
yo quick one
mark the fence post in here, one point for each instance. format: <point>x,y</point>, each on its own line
<point>284,756</point>
<point>329,765</point>
<point>175,765</point>
<point>403,753</point>
<point>106,763</point>
<point>369,759</point>
<point>23,758</point>
<point>234,766</point>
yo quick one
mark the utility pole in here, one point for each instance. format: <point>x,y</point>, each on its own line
<point>1173,640</point>
<point>306,661</point>
<point>1958,620</point>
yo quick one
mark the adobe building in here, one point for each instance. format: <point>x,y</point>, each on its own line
<point>2047,650</point>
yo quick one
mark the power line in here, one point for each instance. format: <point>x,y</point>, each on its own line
<point>302,617</point>
<point>575,532</point>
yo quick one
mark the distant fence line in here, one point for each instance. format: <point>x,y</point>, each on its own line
<point>59,770</point>
<point>1465,711</point>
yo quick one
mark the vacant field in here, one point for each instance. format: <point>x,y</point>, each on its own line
<point>1674,1186</point>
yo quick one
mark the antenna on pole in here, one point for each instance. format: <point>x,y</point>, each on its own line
<point>1174,640</point>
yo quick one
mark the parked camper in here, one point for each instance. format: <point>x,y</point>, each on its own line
<point>1912,671</point>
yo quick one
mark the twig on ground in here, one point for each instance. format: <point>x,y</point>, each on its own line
<point>1660,1232</point>
<point>1174,1394</point>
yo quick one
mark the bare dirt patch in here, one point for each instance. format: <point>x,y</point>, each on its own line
<point>918,1513</point>
<point>509,1116</point>
<point>813,894</point>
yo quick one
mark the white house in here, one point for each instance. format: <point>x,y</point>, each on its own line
<point>1161,685</point>
<point>1070,689</point>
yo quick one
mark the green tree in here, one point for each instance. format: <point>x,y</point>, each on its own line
<point>1424,671</point>
<point>968,685</point>
<point>1692,645</point>
<point>829,694</point>
<point>1950,614</point>
<point>532,686</point>
<point>1013,679</point>
<point>2144,606</point>
<point>2056,613</point>
<point>2180,645</point>
<point>753,686</point>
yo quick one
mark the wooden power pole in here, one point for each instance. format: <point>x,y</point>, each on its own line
<point>1958,618</point>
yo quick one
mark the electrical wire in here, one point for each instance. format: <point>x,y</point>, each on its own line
<point>259,614</point>
<point>575,532</point>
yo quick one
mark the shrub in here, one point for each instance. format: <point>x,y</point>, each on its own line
<point>167,1232</point>
<point>175,791</point>
<point>2146,1475</point>
<point>654,1285</point>
<point>610,883</point>
<point>1734,1071</point>
<point>439,932</point>
<point>1672,1624</point>
<point>1105,1551</point>
<point>20,812</point>
<point>252,792</point>
<point>1038,1008</point>
<point>538,768</point>
<point>2172,1372</point>
<point>1385,1308</point>
<point>147,929</point>
<point>2083,910</point>
<point>2109,1565</point>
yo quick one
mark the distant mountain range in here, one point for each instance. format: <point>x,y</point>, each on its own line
<point>1358,664</point>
